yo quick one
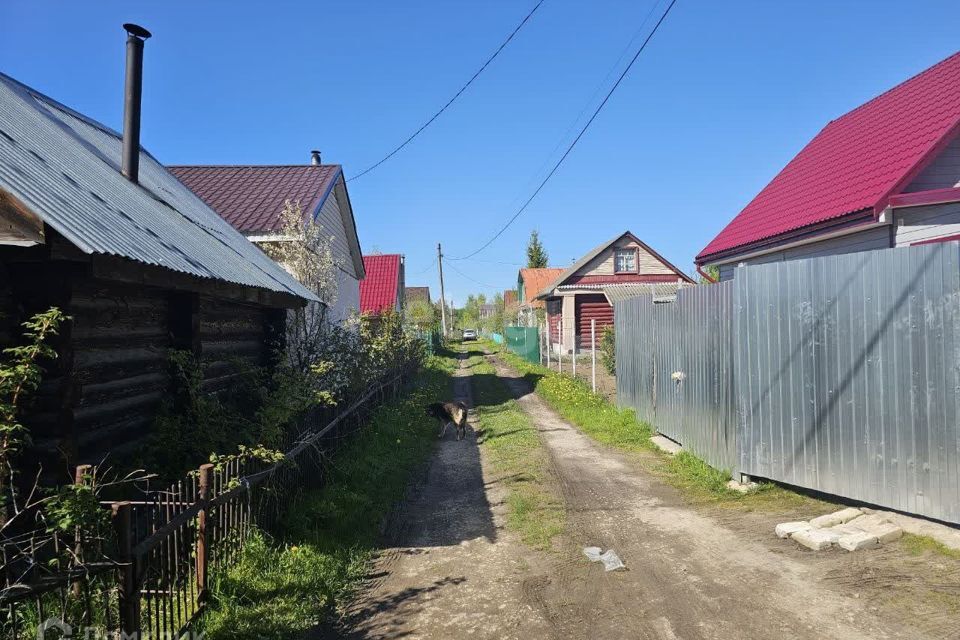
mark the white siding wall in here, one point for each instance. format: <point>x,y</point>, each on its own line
<point>602,265</point>
<point>943,172</point>
<point>916,224</point>
<point>329,218</point>
<point>348,284</point>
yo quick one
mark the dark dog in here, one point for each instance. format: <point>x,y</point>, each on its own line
<point>447,412</point>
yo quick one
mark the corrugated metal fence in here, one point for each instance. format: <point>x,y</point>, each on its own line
<point>525,342</point>
<point>675,368</point>
<point>844,373</point>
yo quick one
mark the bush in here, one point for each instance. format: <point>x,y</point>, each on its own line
<point>608,351</point>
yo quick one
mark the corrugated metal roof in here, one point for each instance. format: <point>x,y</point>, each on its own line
<point>65,168</point>
<point>661,291</point>
<point>379,289</point>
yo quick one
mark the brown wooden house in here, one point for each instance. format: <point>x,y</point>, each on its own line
<point>93,224</point>
<point>578,295</point>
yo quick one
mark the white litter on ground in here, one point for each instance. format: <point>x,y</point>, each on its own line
<point>611,561</point>
<point>593,553</point>
<point>848,528</point>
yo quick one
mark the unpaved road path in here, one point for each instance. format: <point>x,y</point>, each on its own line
<point>454,571</point>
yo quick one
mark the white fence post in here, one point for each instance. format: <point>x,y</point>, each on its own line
<point>560,352</point>
<point>546,339</point>
<point>574,351</point>
<point>593,352</point>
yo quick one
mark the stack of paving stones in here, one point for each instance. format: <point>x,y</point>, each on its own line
<point>848,529</point>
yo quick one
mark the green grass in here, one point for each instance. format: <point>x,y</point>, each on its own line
<point>282,587</point>
<point>514,450</point>
<point>918,545</point>
<point>620,428</point>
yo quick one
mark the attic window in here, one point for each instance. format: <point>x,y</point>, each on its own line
<point>625,261</point>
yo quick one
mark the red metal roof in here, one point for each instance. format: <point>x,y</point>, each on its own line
<point>856,162</point>
<point>251,198</point>
<point>378,291</point>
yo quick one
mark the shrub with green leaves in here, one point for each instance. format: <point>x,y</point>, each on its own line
<point>608,351</point>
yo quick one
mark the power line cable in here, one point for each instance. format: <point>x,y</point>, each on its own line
<point>482,284</point>
<point>454,98</point>
<point>593,96</point>
<point>573,144</point>
<point>430,266</point>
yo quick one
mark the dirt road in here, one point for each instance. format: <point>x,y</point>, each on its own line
<point>454,571</point>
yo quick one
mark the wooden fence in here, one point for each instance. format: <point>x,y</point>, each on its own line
<point>154,578</point>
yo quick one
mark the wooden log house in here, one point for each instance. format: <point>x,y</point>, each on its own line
<point>92,223</point>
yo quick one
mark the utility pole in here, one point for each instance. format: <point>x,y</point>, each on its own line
<point>443,297</point>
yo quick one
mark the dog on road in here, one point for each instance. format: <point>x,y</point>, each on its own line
<point>447,412</point>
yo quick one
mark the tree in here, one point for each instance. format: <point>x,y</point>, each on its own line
<point>307,254</point>
<point>498,321</point>
<point>713,271</point>
<point>536,255</point>
<point>422,314</point>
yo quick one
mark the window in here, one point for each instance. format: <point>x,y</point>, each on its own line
<point>625,261</point>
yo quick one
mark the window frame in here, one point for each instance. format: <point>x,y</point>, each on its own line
<point>636,260</point>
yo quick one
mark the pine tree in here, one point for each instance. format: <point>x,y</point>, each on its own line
<point>536,255</point>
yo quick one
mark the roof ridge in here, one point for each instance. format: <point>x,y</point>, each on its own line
<point>252,166</point>
<point>877,97</point>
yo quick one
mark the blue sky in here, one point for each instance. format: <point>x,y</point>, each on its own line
<point>724,96</point>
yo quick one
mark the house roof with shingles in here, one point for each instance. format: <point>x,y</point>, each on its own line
<point>64,168</point>
<point>534,280</point>
<point>252,197</point>
<point>855,163</point>
<point>379,289</point>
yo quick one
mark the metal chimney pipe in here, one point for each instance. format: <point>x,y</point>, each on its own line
<point>314,157</point>
<point>130,158</point>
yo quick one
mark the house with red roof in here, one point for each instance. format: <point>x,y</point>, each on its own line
<point>384,286</point>
<point>252,198</point>
<point>578,295</point>
<point>530,282</point>
<point>886,174</point>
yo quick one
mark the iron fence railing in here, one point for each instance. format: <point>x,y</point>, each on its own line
<point>151,576</point>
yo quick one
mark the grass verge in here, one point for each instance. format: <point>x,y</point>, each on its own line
<point>514,450</point>
<point>620,428</point>
<point>919,545</point>
<point>280,588</point>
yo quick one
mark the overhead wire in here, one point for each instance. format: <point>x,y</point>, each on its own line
<point>454,98</point>
<point>482,284</point>
<point>573,144</point>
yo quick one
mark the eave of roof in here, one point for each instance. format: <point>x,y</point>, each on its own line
<point>593,253</point>
<point>854,165</point>
<point>63,167</point>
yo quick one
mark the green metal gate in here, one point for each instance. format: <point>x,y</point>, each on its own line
<point>525,342</point>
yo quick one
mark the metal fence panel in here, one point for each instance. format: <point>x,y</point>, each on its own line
<point>524,341</point>
<point>675,368</point>
<point>847,373</point>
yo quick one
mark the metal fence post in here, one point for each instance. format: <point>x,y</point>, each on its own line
<point>546,339</point>
<point>79,479</point>
<point>203,539</point>
<point>129,598</point>
<point>593,352</point>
